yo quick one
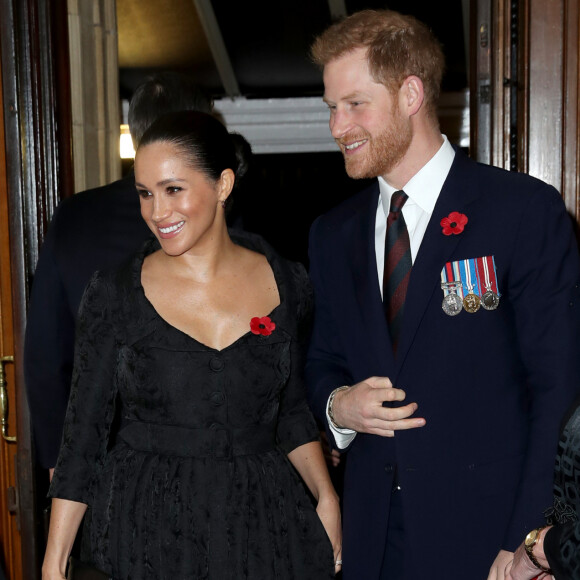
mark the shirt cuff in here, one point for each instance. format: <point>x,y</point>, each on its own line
<point>342,437</point>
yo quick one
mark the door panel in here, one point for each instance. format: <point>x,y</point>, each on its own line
<point>10,539</point>
<point>524,105</point>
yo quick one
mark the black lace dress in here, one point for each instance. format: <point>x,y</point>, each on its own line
<point>562,542</point>
<point>196,483</point>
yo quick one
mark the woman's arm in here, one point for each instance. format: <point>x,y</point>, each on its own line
<point>522,568</point>
<point>309,462</point>
<point>65,519</point>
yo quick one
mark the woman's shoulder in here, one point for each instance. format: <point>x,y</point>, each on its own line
<point>117,284</point>
<point>291,276</point>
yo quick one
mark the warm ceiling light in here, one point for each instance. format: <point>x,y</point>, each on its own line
<point>126,144</point>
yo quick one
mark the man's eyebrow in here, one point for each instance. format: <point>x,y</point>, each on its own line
<point>349,97</point>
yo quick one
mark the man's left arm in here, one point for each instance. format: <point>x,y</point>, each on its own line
<point>543,290</point>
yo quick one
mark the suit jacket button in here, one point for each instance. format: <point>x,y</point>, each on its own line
<point>389,468</point>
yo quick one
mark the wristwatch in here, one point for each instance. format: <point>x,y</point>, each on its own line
<point>529,543</point>
<point>330,403</point>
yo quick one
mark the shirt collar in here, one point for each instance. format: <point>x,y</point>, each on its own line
<point>424,187</point>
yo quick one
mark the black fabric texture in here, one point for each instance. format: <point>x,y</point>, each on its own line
<point>562,542</point>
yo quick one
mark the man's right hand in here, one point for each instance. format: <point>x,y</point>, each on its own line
<point>360,408</point>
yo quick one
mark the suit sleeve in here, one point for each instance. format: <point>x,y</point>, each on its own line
<point>91,405</point>
<point>326,368</point>
<point>48,352</point>
<point>543,290</point>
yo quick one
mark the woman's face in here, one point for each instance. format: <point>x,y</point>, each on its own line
<point>181,205</point>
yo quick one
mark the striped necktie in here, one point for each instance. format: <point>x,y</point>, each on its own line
<point>397,265</point>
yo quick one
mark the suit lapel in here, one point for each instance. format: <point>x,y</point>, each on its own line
<point>360,236</point>
<point>458,192</point>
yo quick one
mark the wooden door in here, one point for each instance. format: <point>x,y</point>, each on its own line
<point>525,113</point>
<point>10,540</point>
<point>35,171</point>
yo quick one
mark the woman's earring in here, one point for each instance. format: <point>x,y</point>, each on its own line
<point>223,202</point>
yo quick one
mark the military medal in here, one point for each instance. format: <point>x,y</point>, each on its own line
<point>489,299</point>
<point>463,282</point>
<point>452,303</point>
<point>452,289</point>
<point>471,301</point>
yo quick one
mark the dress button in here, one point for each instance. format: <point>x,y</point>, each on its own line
<point>216,364</point>
<point>217,398</point>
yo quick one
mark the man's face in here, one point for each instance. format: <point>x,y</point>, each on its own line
<point>365,119</point>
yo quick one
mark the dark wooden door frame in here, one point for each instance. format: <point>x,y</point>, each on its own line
<point>525,86</point>
<point>34,53</point>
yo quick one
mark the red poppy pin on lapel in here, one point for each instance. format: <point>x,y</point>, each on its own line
<point>453,223</point>
<point>263,325</point>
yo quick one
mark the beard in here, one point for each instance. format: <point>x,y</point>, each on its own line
<point>383,151</point>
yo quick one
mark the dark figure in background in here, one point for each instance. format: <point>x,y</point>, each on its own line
<point>556,546</point>
<point>92,230</point>
<point>198,342</point>
<point>447,493</point>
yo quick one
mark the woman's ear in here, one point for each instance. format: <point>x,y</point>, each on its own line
<point>225,185</point>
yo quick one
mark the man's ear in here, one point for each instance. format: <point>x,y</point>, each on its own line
<point>412,95</point>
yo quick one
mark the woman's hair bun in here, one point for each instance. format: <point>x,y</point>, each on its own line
<point>243,151</point>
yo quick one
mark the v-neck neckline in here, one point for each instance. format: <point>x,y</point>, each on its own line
<point>257,246</point>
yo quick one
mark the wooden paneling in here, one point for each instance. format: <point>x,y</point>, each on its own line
<point>546,34</point>
<point>532,112</point>
<point>551,89</point>
<point>571,129</point>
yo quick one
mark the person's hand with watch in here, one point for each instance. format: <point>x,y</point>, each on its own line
<point>529,559</point>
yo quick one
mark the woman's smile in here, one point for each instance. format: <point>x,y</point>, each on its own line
<point>171,230</point>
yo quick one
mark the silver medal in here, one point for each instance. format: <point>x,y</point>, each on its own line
<point>490,300</point>
<point>452,304</point>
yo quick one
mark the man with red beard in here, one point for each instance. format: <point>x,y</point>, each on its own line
<point>446,286</point>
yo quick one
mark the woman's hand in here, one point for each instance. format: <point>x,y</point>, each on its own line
<point>521,567</point>
<point>309,462</point>
<point>328,511</point>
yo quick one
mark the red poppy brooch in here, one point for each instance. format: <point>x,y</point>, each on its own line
<point>263,325</point>
<point>453,223</point>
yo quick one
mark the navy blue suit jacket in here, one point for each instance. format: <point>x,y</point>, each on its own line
<point>492,386</point>
<point>96,229</point>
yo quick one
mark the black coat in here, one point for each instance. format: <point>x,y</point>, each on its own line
<point>95,229</point>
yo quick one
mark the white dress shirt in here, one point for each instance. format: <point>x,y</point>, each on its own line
<point>423,190</point>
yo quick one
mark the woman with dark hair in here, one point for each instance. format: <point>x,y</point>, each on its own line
<point>196,345</point>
